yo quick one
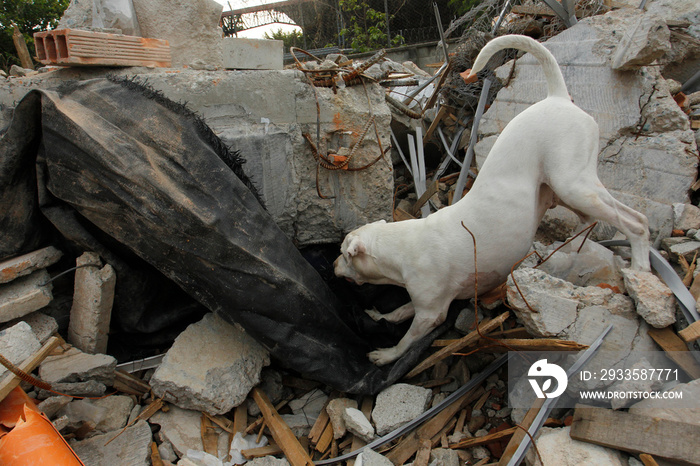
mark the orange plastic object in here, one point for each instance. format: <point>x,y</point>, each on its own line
<point>12,407</point>
<point>35,441</point>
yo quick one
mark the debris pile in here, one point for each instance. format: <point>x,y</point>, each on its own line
<point>318,142</point>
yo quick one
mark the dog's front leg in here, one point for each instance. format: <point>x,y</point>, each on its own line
<point>396,316</point>
<point>424,321</point>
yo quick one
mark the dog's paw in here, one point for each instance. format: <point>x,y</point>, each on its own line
<point>382,356</point>
<point>374,314</point>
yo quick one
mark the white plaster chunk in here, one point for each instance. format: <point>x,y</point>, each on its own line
<point>444,457</point>
<point>369,457</point>
<point>655,301</point>
<point>180,427</point>
<point>357,423</point>
<point>211,367</point>
<point>397,405</point>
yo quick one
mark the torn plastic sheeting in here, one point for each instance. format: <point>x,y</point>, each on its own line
<point>122,170</point>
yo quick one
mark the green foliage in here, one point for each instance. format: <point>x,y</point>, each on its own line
<point>293,38</point>
<point>367,29</point>
<point>30,16</point>
<point>460,7</point>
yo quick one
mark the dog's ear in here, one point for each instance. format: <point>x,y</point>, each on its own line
<point>356,247</point>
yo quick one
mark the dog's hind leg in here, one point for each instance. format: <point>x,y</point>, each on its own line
<point>396,316</point>
<point>588,196</point>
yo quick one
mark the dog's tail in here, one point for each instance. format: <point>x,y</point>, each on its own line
<point>555,80</point>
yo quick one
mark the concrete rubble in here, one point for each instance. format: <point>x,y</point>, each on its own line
<point>199,406</point>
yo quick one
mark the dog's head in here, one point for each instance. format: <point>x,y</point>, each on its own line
<point>355,262</point>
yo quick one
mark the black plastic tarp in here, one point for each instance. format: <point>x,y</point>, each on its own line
<point>112,166</point>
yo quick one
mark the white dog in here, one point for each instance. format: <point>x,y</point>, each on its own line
<point>546,155</point>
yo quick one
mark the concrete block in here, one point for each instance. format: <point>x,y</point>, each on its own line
<point>93,297</point>
<point>76,366</point>
<point>17,343</point>
<point>655,302</point>
<point>372,458</point>
<point>645,40</point>
<point>191,27</point>
<point>211,367</point>
<point>107,414</point>
<point>398,404</point>
<point>252,54</point>
<point>444,457</point>
<point>78,47</point>
<point>268,461</point>
<point>53,405</point>
<point>90,388</point>
<point>310,404</point>
<point>132,447</point>
<point>43,326</point>
<point>24,295</point>
<point>28,263</point>
<point>686,217</point>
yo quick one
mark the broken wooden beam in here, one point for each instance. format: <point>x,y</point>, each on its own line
<point>483,440</point>
<point>521,432</point>
<point>429,192</point>
<point>633,433</point>
<point>691,332</point>
<point>484,328</point>
<point>283,435</point>
<point>676,350</point>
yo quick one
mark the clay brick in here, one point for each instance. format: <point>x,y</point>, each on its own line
<point>89,48</point>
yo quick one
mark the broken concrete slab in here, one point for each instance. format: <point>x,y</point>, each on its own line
<point>190,27</point>
<point>24,295</point>
<point>17,343</point>
<point>180,427</point>
<point>76,366</point>
<point>336,409</point>
<point>52,405</point>
<point>28,263</point>
<point>654,300</point>
<point>589,265</point>
<point>240,53</point>
<point>641,385</point>
<point>649,172</point>
<point>680,246</point>
<point>310,404</point>
<point>399,404</point>
<point>644,41</point>
<point>444,457</point>
<point>555,446</point>
<point>43,326</point>
<point>268,461</point>
<point>132,446</point>
<point>357,423</point>
<point>93,297</point>
<point>686,217</point>
<point>211,367</point>
<point>89,388</point>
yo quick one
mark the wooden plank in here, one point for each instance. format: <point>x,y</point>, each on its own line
<point>476,441</point>
<point>319,426</point>
<point>252,453</point>
<point>648,460</point>
<point>283,435</point>
<point>411,442</point>
<point>210,438</point>
<point>130,384</point>
<point>430,191</point>
<point>28,365</point>
<point>521,344</point>
<point>325,439</point>
<point>423,454</point>
<point>21,46</point>
<point>240,418</point>
<point>433,126</point>
<point>519,434</point>
<point>691,332</point>
<point>633,433</point>
<point>473,337</point>
<point>400,214</point>
<point>433,98</point>
<point>676,350</point>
